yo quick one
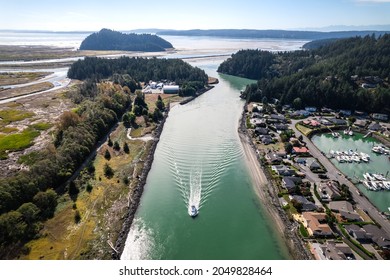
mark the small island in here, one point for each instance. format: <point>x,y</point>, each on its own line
<point>107,39</point>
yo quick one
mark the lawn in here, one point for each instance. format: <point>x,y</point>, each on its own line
<point>303,129</point>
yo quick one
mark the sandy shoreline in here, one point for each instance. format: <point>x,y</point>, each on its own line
<point>268,197</point>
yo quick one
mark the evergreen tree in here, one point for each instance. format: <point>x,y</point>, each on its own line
<point>126,148</point>
<point>107,155</point>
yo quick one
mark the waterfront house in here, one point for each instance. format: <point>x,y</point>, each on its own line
<point>360,123</point>
<point>266,139</point>
<point>336,121</point>
<point>337,206</point>
<point>261,131</point>
<point>290,183</point>
<point>336,251</point>
<point>325,121</point>
<point>316,224</point>
<point>256,122</point>
<point>257,115</point>
<point>283,170</point>
<point>306,204</point>
<point>273,158</point>
<point>375,127</point>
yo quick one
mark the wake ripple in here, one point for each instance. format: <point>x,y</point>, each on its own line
<point>197,171</point>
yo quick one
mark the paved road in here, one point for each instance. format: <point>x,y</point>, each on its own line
<point>333,173</point>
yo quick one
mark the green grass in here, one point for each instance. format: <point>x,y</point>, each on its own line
<point>303,129</point>
<point>7,130</point>
<point>303,231</point>
<point>17,141</point>
<point>136,132</point>
<point>41,126</point>
<point>12,115</point>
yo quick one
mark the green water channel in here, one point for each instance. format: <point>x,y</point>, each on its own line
<point>199,161</point>
<point>378,163</point>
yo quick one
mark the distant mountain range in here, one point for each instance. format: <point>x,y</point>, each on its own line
<point>334,32</point>
<point>275,34</point>
<point>347,28</point>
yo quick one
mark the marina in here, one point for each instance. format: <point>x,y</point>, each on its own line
<point>376,182</point>
<point>359,145</point>
<point>349,156</point>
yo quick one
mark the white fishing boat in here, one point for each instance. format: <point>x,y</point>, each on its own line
<point>193,211</point>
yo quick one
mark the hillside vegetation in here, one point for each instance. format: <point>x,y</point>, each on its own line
<point>107,39</point>
<point>142,70</point>
<point>346,74</point>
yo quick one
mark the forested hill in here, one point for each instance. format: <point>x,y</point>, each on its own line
<point>281,34</point>
<point>107,39</point>
<point>349,73</point>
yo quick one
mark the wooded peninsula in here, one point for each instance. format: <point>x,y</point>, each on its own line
<point>348,74</point>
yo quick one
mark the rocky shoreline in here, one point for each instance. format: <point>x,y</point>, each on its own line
<point>137,192</point>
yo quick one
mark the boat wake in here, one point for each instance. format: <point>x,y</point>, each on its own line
<point>198,179</point>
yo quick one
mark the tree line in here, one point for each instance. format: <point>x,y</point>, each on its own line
<point>140,69</point>
<point>107,39</point>
<point>30,197</point>
<point>330,76</point>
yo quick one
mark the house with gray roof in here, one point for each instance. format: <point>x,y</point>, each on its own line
<point>336,121</point>
<point>273,158</point>
<point>328,191</point>
<point>337,251</point>
<point>261,131</point>
<point>337,206</point>
<point>283,170</point>
<point>306,204</point>
<point>290,183</point>
<point>375,127</point>
<point>378,236</point>
<point>350,216</point>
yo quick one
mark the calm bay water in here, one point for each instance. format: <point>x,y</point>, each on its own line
<point>378,163</point>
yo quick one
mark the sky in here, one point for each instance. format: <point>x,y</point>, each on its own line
<point>86,15</point>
